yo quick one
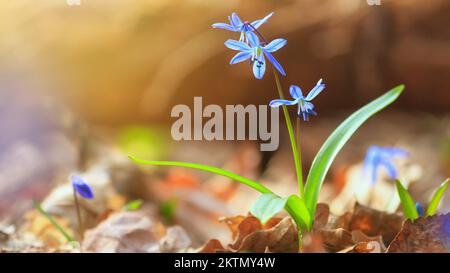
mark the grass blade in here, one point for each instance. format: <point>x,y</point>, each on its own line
<point>409,207</point>
<point>336,141</point>
<point>253,184</point>
<point>53,221</point>
<point>437,196</point>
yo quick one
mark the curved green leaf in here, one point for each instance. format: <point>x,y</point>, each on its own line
<point>437,196</point>
<point>296,207</point>
<point>336,141</point>
<point>267,205</point>
<point>257,186</point>
<point>409,207</point>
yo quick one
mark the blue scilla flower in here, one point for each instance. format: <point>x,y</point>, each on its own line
<point>245,28</point>
<point>419,209</point>
<point>305,107</point>
<point>82,187</point>
<point>255,51</point>
<point>381,157</point>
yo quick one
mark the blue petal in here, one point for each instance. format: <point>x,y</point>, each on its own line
<point>275,45</point>
<point>258,23</point>
<point>278,102</point>
<point>224,26</point>
<point>236,45</point>
<point>82,187</point>
<point>419,209</point>
<point>316,90</point>
<point>259,68</point>
<point>240,57</point>
<point>296,92</point>
<point>389,166</point>
<point>393,152</point>
<point>236,20</point>
<point>253,39</point>
<point>275,63</point>
<point>309,107</point>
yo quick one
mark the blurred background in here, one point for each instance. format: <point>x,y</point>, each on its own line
<point>82,85</point>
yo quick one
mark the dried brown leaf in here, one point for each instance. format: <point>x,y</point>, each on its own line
<point>426,234</point>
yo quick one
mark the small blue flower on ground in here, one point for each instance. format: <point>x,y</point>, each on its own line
<point>82,187</point>
<point>381,157</point>
<point>237,25</point>
<point>305,107</point>
<point>419,209</point>
<point>256,52</point>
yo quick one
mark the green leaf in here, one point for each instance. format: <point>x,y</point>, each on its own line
<point>295,206</point>
<point>336,141</point>
<point>409,207</point>
<point>133,205</point>
<point>255,185</point>
<point>299,212</point>
<point>437,196</point>
<point>267,205</point>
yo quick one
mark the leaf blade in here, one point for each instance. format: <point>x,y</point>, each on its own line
<point>437,196</point>
<point>337,140</point>
<point>253,184</point>
<point>298,210</point>
<point>409,207</point>
<point>267,206</point>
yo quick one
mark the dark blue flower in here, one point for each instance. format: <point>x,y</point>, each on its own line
<point>255,51</point>
<point>245,28</point>
<point>381,157</point>
<point>305,107</point>
<point>82,187</point>
<point>419,209</point>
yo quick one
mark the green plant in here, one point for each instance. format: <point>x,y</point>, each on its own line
<point>300,207</point>
<point>410,209</point>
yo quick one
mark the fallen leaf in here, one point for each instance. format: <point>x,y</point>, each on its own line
<point>175,240</point>
<point>426,234</point>
<point>126,231</point>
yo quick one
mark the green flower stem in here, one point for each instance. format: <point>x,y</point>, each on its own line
<point>77,207</point>
<point>295,150</point>
<point>53,222</point>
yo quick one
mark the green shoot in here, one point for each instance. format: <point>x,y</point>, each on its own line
<point>437,196</point>
<point>409,207</point>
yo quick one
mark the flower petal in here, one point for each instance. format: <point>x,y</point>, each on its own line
<point>224,26</point>
<point>82,187</point>
<point>240,57</point>
<point>279,102</point>
<point>316,90</point>
<point>275,45</point>
<point>275,63</point>
<point>259,68</point>
<point>236,45</point>
<point>393,152</point>
<point>296,92</point>
<point>252,39</point>
<point>236,20</point>
<point>390,168</point>
<point>258,23</point>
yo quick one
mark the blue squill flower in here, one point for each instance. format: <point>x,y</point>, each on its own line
<point>245,28</point>
<point>305,107</point>
<point>381,157</point>
<point>256,52</point>
<point>419,209</point>
<point>82,187</point>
